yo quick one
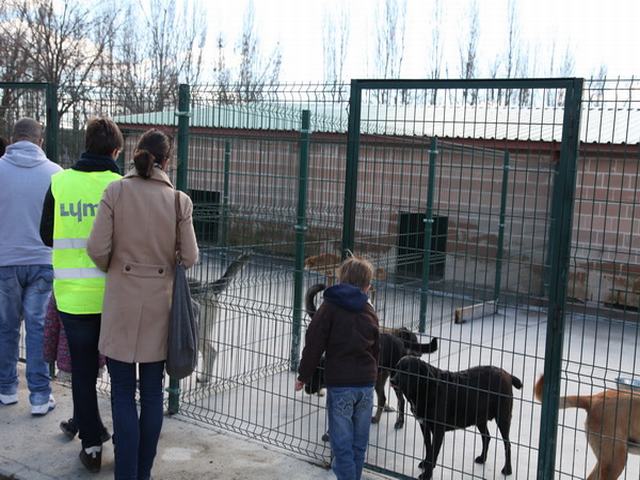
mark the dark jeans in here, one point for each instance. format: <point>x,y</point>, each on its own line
<point>83,332</point>
<point>135,438</point>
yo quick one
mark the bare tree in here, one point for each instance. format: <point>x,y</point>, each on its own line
<point>513,47</point>
<point>154,56</point>
<point>495,95</point>
<point>14,58</point>
<point>597,86</point>
<point>469,51</point>
<point>14,63</point>
<point>222,73</point>
<point>550,95</point>
<point>567,67</point>
<point>255,71</point>
<point>335,39</point>
<point>522,71</point>
<point>435,68</point>
<point>568,64</point>
<point>59,42</point>
<point>391,19</point>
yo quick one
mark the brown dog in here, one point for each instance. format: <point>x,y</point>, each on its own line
<point>613,427</point>
<point>328,263</point>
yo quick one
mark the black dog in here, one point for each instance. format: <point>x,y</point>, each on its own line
<point>394,344</point>
<point>442,401</point>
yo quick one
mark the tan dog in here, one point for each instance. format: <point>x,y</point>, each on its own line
<point>613,427</point>
<point>328,264</point>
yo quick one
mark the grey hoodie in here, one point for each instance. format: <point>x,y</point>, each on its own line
<point>25,176</point>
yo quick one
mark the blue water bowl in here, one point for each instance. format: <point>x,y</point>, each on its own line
<point>629,382</point>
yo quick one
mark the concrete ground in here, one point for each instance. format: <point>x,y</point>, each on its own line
<point>250,391</point>
<point>251,386</point>
<point>33,448</point>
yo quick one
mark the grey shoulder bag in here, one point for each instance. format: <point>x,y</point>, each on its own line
<point>182,344</point>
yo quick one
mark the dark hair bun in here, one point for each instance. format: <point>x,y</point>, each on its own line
<point>143,160</point>
<point>153,147</point>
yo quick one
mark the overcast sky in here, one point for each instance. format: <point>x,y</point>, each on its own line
<point>596,32</point>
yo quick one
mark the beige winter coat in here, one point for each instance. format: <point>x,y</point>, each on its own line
<point>133,240</point>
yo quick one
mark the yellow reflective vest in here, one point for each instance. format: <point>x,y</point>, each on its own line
<point>78,284</point>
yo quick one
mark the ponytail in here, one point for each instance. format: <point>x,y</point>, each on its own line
<point>144,161</point>
<point>153,149</point>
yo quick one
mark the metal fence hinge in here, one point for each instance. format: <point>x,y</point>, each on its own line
<point>175,391</point>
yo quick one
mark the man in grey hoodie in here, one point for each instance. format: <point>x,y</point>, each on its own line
<point>26,274</point>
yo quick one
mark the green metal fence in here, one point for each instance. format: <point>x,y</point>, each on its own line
<point>459,188</point>
<point>602,332</point>
<point>30,99</point>
<point>463,204</point>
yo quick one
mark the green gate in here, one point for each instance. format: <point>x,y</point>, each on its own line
<point>444,148</point>
<point>31,99</point>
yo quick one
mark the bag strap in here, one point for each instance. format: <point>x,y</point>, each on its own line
<point>178,219</point>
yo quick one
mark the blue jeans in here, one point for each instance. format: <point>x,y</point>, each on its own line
<point>83,332</point>
<point>135,439</point>
<point>349,411</point>
<point>24,292</point>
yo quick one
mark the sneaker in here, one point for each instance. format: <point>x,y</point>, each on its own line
<point>69,428</point>
<point>45,408</point>
<point>8,399</point>
<point>91,458</point>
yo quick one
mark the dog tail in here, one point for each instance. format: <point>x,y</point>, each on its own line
<point>420,348</point>
<point>223,282</point>
<point>516,382</point>
<point>309,298</point>
<point>572,401</point>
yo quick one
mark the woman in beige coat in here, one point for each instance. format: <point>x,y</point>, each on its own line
<point>133,240</point>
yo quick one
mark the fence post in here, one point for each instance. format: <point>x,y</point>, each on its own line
<point>181,184</point>
<point>503,208</point>
<point>53,123</point>
<point>300,228</point>
<point>428,229</point>
<point>561,213</point>
<point>546,268</point>
<point>225,193</point>
<point>183,137</point>
<point>351,180</point>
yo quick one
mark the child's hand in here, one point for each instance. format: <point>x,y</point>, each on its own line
<point>299,385</point>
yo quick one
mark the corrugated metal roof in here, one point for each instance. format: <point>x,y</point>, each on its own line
<point>601,125</point>
<point>252,116</point>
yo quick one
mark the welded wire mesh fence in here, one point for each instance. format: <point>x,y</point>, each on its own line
<point>603,321</point>
<point>453,191</point>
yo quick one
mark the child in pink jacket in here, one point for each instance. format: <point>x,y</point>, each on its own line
<point>56,351</point>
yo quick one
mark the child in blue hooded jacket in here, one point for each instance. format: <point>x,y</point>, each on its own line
<point>345,329</point>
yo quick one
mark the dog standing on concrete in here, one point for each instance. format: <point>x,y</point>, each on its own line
<point>206,344</point>
<point>612,427</point>
<point>443,401</point>
<point>394,344</point>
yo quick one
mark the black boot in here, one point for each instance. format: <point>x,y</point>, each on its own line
<point>69,428</point>
<point>105,436</point>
